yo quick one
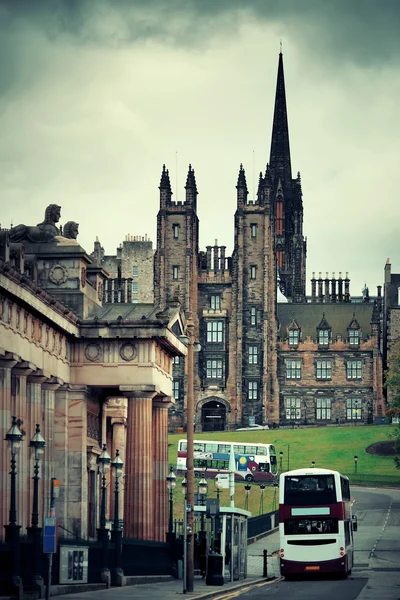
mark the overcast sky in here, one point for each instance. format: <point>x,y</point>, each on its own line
<point>96,95</point>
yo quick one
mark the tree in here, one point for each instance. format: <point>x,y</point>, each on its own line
<point>392,384</point>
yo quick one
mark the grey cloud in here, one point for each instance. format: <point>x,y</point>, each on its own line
<point>360,31</point>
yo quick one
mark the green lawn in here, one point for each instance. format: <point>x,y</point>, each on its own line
<point>330,447</point>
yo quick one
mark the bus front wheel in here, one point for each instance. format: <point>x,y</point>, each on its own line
<point>249,478</point>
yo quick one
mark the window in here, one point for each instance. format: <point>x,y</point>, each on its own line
<point>324,369</point>
<point>215,302</point>
<point>293,408</point>
<point>253,271</point>
<point>252,390</point>
<point>279,256</point>
<point>135,271</point>
<point>253,315</point>
<point>214,331</point>
<point>323,337</point>
<point>279,217</point>
<point>354,369</point>
<point>175,230</point>
<point>353,409</point>
<point>135,287</point>
<point>253,229</point>
<point>354,337</point>
<point>323,409</point>
<point>293,369</point>
<point>293,337</point>
<point>175,272</point>
<point>176,388</point>
<point>214,369</point>
<point>176,360</point>
<point>253,355</point>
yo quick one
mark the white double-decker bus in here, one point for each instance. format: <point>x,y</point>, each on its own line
<point>315,522</point>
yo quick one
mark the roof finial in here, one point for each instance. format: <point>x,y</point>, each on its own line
<point>280,43</point>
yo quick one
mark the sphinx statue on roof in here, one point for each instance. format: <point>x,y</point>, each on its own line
<point>41,233</point>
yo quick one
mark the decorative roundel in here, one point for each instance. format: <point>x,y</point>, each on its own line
<point>58,274</point>
<point>93,352</point>
<point>243,460</point>
<point>128,352</point>
<point>253,468</point>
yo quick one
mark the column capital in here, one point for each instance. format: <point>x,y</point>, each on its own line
<point>162,402</point>
<point>139,391</point>
<point>24,369</point>
<point>119,421</point>
<point>52,384</point>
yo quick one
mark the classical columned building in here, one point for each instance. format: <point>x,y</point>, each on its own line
<point>88,374</point>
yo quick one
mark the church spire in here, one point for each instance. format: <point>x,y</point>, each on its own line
<point>280,150</point>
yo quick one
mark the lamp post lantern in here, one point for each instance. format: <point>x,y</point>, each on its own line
<point>312,464</point>
<point>37,445</point>
<point>171,483</point>
<point>280,460</point>
<point>202,491</point>
<point>356,411</point>
<point>104,462</point>
<point>216,485</point>
<point>14,437</point>
<point>355,464</point>
<point>117,466</point>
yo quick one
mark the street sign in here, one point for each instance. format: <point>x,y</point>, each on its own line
<point>222,481</point>
<point>49,535</point>
<point>212,507</point>
<point>56,488</point>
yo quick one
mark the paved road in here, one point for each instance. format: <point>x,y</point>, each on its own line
<point>376,575</point>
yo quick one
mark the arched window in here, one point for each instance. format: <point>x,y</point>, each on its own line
<point>279,217</point>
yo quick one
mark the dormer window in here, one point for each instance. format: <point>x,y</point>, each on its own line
<point>353,331</point>
<point>323,337</point>
<point>293,334</point>
<point>324,333</point>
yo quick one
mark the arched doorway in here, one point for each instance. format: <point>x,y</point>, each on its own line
<point>213,416</point>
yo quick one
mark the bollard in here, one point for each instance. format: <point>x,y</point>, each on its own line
<point>265,569</point>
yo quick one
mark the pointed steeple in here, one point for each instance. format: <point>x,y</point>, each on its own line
<point>280,150</point>
<point>191,188</point>
<point>191,180</point>
<point>165,182</point>
<point>241,178</point>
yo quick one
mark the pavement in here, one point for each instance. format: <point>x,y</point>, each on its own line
<point>173,589</point>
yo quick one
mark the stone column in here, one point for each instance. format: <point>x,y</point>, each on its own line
<point>35,415</point>
<point>19,376</point>
<point>160,468</point>
<point>7,362</point>
<point>118,443</point>
<point>49,388</point>
<point>138,510</point>
<point>70,441</point>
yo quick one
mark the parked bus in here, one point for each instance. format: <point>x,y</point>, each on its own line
<point>254,462</point>
<point>315,522</point>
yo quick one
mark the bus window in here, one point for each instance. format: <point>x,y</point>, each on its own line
<point>198,447</point>
<point>251,449</point>
<point>272,449</point>
<point>304,526</point>
<point>263,467</point>
<point>262,451</point>
<point>211,447</point>
<point>303,490</point>
<point>239,449</point>
<point>224,448</point>
<point>344,483</point>
<point>183,446</point>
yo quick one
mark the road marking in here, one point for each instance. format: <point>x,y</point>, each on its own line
<point>372,553</point>
<point>238,592</point>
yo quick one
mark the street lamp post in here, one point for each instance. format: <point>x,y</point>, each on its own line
<point>262,488</point>
<point>117,466</point>
<point>247,489</point>
<point>171,483</point>
<point>37,445</point>
<point>14,437</point>
<point>355,464</point>
<point>216,485</point>
<point>202,491</point>
<point>184,574</point>
<point>280,460</point>
<point>104,462</point>
<point>312,464</point>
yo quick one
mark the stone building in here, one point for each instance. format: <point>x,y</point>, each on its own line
<point>391,314</point>
<point>243,306</point>
<point>89,373</point>
<point>130,270</point>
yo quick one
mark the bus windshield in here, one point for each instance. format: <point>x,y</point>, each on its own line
<point>310,490</point>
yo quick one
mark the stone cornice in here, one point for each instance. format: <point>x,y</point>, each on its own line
<point>19,286</point>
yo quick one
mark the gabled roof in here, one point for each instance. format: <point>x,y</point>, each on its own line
<point>323,324</point>
<point>354,324</point>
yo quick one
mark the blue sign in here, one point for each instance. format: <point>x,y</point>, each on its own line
<point>49,535</point>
